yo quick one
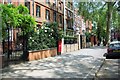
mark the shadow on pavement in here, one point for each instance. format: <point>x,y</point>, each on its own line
<point>64,66</point>
<point>110,70</point>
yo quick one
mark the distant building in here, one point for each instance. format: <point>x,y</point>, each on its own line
<point>79,27</point>
<point>115,35</point>
<point>89,26</point>
<point>84,27</point>
<point>79,22</point>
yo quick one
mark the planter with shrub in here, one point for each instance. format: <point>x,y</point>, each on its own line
<point>43,43</point>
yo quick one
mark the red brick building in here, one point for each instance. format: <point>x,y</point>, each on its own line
<point>41,10</point>
<point>115,35</point>
<point>47,11</point>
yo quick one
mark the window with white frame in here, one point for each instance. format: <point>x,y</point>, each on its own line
<point>47,1</point>
<point>47,14</point>
<point>37,11</point>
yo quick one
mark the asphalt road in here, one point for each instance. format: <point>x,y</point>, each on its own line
<point>78,64</point>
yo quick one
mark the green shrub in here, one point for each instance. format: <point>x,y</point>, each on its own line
<point>45,37</point>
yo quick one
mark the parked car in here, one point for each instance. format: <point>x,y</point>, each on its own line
<point>113,50</point>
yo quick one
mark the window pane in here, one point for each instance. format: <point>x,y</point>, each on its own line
<point>54,16</point>
<point>115,45</point>
<point>37,11</point>
<point>47,1</point>
<point>47,14</point>
<point>27,4</point>
<point>60,19</point>
<point>9,1</point>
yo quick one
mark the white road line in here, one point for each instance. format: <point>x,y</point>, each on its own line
<point>94,68</point>
<point>89,72</point>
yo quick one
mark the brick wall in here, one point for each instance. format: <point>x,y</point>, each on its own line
<point>35,55</point>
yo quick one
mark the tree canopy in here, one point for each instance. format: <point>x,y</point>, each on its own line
<point>16,17</point>
<point>105,14</point>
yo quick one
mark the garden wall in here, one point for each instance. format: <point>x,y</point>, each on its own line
<point>70,47</point>
<point>40,54</point>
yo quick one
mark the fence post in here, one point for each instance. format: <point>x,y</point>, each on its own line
<point>79,41</point>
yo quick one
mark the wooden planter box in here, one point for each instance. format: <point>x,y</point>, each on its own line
<point>40,54</point>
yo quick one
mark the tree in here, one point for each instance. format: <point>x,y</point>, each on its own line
<point>92,11</point>
<point>115,18</point>
<point>27,24</point>
<point>109,17</point>
<point>102,14</point>
<point>8,21</point>
<point>17,17</point>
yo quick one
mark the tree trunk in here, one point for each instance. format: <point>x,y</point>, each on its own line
<point>109,16</point>
<point>8,56</point>
<point>25,50</point>
<point>98,33</point>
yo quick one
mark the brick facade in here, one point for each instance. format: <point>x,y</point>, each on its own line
<point>54,9</point>
<point>52,6</point>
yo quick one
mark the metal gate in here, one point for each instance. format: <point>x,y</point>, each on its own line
<point>13,47</point>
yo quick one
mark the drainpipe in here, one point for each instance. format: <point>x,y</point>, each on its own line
<point>64,18</point>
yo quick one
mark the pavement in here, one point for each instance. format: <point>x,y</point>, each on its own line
<point>75,64</point>
<point>109,70</point>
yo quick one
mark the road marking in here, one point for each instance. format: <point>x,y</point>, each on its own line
<point>89,72</point>
<point>96,71</point>
<point>99,68</point>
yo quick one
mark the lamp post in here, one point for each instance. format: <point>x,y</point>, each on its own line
<point>64,17</point>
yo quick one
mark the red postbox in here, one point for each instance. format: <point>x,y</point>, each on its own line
<point>59,46</point>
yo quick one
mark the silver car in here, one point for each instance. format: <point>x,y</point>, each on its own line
<point>113,50</point>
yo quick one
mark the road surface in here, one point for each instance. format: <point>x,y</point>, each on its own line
<point>83,64</point>
<point>109,70</point>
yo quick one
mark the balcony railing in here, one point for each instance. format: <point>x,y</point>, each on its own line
<point>70,32</point>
